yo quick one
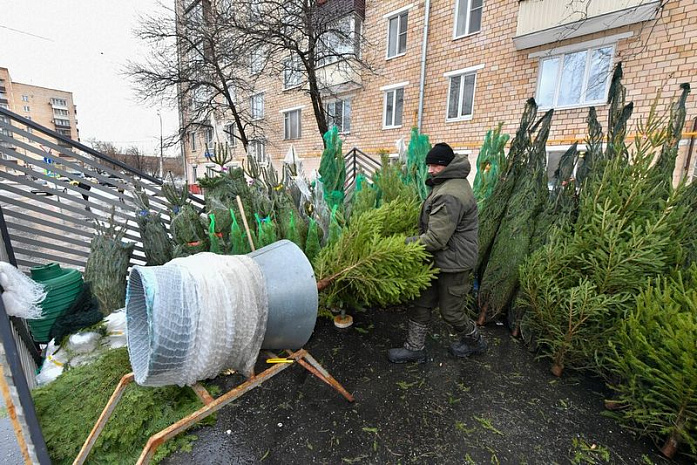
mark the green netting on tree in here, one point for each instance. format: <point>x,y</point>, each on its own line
<point>107,266</point>
<point>312,244</point>
<point>266,231</point>
<point>417,171</point>
<point>213,235</point>
<point>332,168</point>
<point>491,159</point>
<point>239,245</point>
<point>188,232</point>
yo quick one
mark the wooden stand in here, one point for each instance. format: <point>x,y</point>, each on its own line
<point>211,405</point>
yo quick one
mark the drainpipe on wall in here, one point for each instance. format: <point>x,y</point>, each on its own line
<point>424,46</point>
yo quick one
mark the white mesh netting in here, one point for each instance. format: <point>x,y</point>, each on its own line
<point>195,316</point>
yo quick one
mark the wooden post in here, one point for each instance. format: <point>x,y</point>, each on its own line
<point>244,221</point>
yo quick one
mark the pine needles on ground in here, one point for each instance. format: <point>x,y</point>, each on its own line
<point>69,407</point>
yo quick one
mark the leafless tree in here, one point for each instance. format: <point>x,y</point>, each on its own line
<point>314,44</point>
<point>208,56</point>
<point>195,60</point>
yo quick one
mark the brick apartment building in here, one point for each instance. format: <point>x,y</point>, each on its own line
<point>51,108</point>
<point>456,68</point>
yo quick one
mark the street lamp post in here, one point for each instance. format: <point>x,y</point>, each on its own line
<point>162,170</point>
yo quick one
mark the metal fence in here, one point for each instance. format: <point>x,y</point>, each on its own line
<point>358,162</point>
<point>56,191</point>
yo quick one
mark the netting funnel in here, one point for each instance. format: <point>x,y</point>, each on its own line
<point>196,316</point>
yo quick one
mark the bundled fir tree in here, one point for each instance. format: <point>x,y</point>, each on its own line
<point>156,243</point>
<point>577,287</point>
<point>491,159</point>
<point>417,171</point>
<point>107,265</point>
<point>490,216</point>
<point>332,168</point>
<point>390,183</point>
<point>499,282</point>
<point>653,353</point>
<point>370,264</point>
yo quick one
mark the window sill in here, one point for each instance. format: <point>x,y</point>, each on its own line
<point>458,120</point>
<point>292,87</point>
<point>395,56</point>
<point>596,104</point>
<point>466,35</point>
<point>384,128</point>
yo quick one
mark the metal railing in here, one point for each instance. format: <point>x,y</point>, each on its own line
<point>358,162</point>
<point>55,191</point>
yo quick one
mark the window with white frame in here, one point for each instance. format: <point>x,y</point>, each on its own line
<point>26,108</point>
<point>393,107</point>
<point>291,124</point>
<point>461,93</point>
<point>208,136</point>
<point>339,115</point>
<point>554,157</point>
<point>60,112</point>
<point>256,106</point>
<point>257,150</point>
<point>231,134</point>
<point>25,98</point>
<point>59,102</point>
<point>62,122</point>
<point>192,141</point>
<point>397,34</point>
<point>576,78</point>
<point>292,72</point>
<point>256,61</point>
<point>468,17</point>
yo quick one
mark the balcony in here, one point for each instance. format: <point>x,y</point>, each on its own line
<point>543,22</point>
<point>339,8</point>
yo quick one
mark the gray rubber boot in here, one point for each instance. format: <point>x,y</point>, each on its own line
<point>472,343</point>
<point>414,349</point>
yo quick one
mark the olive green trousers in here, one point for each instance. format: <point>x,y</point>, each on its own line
<point>448,291</point>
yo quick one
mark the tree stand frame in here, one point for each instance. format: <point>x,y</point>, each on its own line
<point>211,405</point>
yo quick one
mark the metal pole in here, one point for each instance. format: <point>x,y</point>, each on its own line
<point>162,171</point>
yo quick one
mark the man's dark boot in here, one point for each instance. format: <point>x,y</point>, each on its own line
<point>414,350</point>
<point>471,343</point>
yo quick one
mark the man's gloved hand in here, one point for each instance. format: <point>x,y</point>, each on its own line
<point>411,239</point>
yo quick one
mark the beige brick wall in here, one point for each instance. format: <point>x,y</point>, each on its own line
<point>659,54</point>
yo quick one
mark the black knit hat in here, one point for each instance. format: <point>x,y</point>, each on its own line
<point>440,154</point>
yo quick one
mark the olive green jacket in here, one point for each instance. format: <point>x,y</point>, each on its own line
<point>449,224</point>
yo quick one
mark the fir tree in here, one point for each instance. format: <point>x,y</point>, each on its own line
<point>417,171</point>
<point>490,161</point>
<point>367,267</point>
<point>653,353</point>
<point>512,242</point>
<point>490,216</point>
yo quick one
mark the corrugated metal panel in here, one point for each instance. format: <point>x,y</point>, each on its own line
<point>538,15</point>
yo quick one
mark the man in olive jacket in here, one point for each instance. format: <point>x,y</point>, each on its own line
<point>448,227</point>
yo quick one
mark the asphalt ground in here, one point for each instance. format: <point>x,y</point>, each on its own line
<point>503,407</point>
